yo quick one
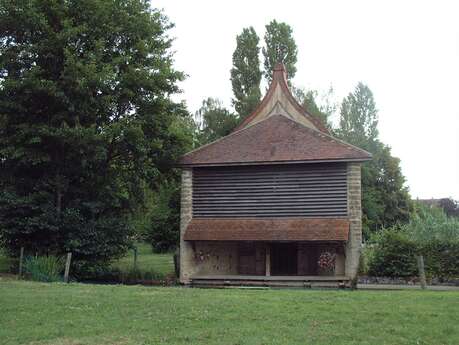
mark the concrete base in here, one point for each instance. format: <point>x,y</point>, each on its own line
<point>271,281</point>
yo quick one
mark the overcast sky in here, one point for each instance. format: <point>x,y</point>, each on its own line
<point>407,52</point>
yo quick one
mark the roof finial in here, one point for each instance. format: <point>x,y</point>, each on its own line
<point>280,72</point>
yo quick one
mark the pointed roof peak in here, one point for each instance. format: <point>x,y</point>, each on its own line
<point>279,92</point>
<point>280,72</point>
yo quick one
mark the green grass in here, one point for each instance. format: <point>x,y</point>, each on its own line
<point>40,313</point>
<point>147,261</point>
<point>5,262</point>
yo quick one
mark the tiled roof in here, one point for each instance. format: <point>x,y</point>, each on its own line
<point>279,81</point>
<point>274,139</point>
<point>264,229</point>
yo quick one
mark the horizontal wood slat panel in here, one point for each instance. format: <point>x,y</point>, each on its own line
<point>302,190</point>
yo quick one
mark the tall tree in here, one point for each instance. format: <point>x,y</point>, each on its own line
<point>385,198</point>
<point>359,116</point>
<point>245,73</point>
<point>280,46</point>
<point>321,105</point>
<point>85,122</point>
<point>214,120</point>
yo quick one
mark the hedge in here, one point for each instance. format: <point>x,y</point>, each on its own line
<point>392,253</point>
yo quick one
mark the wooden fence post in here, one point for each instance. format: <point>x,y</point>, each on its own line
<point>21,258</point>
<point>67,267</point>
<point>422,273</point>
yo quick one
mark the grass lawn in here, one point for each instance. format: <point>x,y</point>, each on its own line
<point>5,262</point>
<point>147,261</point>
<point>39,313</point>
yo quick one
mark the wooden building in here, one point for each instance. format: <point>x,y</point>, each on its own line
<point>276,202</point>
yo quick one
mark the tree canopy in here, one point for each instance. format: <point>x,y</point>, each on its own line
<point>86,122</point>
<point>214,120</point>
<point>280,46</point>
<point>320,106</point>
<point>246,73</point>
<point>359,116</point>
<point>385,198</point>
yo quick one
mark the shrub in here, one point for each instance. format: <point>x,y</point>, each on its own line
<point>393,255</point>
<point>441,258</point>
<point>165,219</point>
<point>392,252</point>
<point>44,268</point>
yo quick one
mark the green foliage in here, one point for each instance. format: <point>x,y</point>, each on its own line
<point>392,252</point>
<point>394,255</point>
<point>385,198</point>
<point>214,120</point>
<point>320,106</point>
<point>359,116</point>
<point>44,268</point>
<point>86,122</point>
<point>280,46</point>
<point>245,73</point>
<point>164,230</point>
<point>429,224</point>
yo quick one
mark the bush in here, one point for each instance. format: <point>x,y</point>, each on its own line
<point>165,219</point>
<point>441,258</point>
<point>44,268</point>
<point>393,255</point>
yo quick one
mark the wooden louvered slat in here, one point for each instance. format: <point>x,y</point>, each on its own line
<point>302,190</point>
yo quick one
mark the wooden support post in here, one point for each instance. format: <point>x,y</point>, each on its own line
<point>268,260</point>
<point>67,267</point>
<point>21,259</point>
<point>422,273</point>
<point>135,258</point>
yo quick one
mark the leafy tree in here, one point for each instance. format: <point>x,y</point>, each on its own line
<point>246,74</point>
<point>359,116</point>
<point>214,121</point>
<point>85,123</point>
<point>164,230</point>
<point>320,106</point>
<point>385,198</point>
<point>280,46</point>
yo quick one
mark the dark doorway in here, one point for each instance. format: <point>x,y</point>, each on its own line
<point>284,258</point>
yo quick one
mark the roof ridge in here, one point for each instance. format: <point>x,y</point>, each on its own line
<point>279,77</point>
